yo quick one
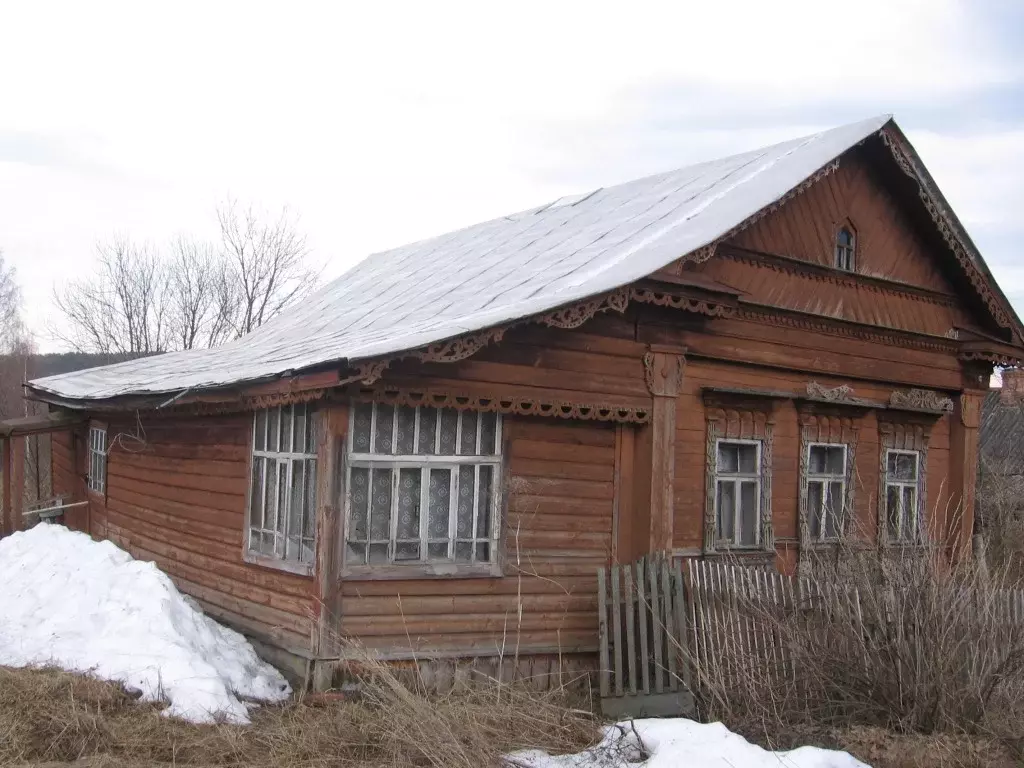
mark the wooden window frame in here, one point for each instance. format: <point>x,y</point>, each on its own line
<point>845,252</point>
<point>98,450</point>
<point>735,416</point>
<point>915,485</point>
<point>278,459</point>
<point>826,479</point>
<point>426,463</point>
<point>909,435</point>
<point>737,479</point>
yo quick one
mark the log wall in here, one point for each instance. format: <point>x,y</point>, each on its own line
<point>176,495</point>
<point>557,532</point>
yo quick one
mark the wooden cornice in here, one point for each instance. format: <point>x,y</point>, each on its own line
<point>794,266</point>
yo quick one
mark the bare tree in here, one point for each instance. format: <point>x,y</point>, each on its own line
<point>195,295</point>
<point>201,299</point>
<point>120,309</point>
<point>266,263</point>
<point>15,344</point>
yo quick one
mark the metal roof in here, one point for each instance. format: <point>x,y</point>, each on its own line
<point>490,273</point>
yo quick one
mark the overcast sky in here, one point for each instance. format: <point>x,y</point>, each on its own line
<point>388,124</point>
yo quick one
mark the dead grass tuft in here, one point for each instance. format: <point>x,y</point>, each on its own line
<point>51,716</point>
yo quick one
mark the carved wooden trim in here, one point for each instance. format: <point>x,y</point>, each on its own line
<point>685,303</point>
<point>987,356</point>
<point>577,314</point>
<point>841,394</point>
<point>844,328</point>
<point>970,409</point>
<point>831,428</point>
<point>948,230</point>
<point>519,406</point>
<point>906,436</point>
<point>826,274</point>
<point>921,400</point>
<point>725,423</point>
<point>663,373</point>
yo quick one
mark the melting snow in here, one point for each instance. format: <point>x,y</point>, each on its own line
<point>679,742</point>
<point>87,606</point>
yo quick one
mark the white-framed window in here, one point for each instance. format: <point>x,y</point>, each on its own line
<point>846,249</point>
<point>738,493</point>
<point>826,490</point>
<point>97,477</point>
<point>282,488</point>
<point>902,500</point>
<point>423,486</point>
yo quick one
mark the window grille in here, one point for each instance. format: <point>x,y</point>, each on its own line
<point>282,493</point>
<point>423,485</point>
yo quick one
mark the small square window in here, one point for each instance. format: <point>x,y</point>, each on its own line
<point>846,250</point>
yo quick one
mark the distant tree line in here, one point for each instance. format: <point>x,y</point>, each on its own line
<point>192,293</point>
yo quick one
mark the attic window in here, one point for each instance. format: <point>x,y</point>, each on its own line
<point>846,248</point>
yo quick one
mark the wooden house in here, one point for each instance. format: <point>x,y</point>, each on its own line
<point>434,454</point>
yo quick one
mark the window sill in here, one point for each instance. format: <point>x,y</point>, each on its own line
<point>299,569</point>
<point>422,571</point>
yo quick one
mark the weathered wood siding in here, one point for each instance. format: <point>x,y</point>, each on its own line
<point>691,453</point>
<point>557,533</point>
<point>888,246</point>
<point>66,476</point>
<point>176,494</point>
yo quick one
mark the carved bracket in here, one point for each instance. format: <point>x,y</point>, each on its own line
<point>663,373</point>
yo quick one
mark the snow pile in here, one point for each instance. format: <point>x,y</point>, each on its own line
<point>679,742</point>
<point>87,606</point>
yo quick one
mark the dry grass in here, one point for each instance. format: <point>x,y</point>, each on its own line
<point>928,648</point>
<point>49,716</point>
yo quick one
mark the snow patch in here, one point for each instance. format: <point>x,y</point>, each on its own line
<point>88,606</point>
<point>680,742</point>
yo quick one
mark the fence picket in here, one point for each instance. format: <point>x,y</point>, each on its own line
<point>630,627</point>
<point>657,629</point>
<point>641,603</point>
<point>602,622</point>
<point>617,629</point>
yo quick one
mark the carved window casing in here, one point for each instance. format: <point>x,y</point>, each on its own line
<point>902,443</point>
<point>826,433</point>
<point>744,425</point>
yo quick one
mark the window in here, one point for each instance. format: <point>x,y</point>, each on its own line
<point>902,471</point>
<point>97,479</point>
<point>826,490</point>
<point>282,492</point>
<point>738,493</point>
<point>423,486</point>
<point>846,247</point>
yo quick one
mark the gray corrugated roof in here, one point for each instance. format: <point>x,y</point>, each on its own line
<point>490,273</point>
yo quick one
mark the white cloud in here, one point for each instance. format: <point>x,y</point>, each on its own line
<point>385,123</point>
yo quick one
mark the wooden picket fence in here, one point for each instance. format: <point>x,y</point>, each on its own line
<point>668,629</point>
<point>644,635</point>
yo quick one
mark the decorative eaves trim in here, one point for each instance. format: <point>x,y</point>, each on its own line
<point>948,230</point>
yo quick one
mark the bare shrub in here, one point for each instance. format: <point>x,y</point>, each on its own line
<point>1000,511</point>
<point>896,638</point>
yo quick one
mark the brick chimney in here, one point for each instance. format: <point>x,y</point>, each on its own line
<point>1012,392</point>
